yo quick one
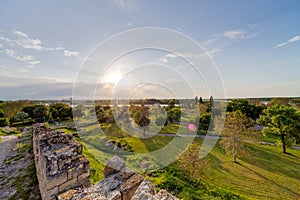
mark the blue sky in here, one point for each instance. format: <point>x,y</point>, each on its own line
<point>255,44</point>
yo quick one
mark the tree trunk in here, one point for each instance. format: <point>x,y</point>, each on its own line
<point>233,149</point>
<point>283,143</point>
<point>233,153</point>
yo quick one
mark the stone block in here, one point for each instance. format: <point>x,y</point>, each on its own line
<point>130,186</point>
<point>57,180</point>
<point>67,185</point>
<point>113,166</point>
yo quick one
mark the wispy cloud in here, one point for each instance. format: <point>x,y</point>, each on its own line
<point>187,55</point>
<point>21,39</point>
<point>292,40</point>
<point>126,4</point>
<point>233,34</point>
<point>211,41</point>
<point>71,53</point>
<point>29,59</point>
<point>26,42</point>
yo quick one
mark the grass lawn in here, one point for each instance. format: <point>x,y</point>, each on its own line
<point>265,174</point>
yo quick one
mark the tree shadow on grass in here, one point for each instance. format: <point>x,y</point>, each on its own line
<point>273,162</point>
<point>297,195</point>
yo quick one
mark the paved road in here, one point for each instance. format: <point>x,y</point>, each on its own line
<point>7,144</point>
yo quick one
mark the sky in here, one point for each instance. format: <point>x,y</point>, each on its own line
<point>61,49</point>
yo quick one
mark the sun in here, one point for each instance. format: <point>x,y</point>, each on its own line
<point>113,77</point>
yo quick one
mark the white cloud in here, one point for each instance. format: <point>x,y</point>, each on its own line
<point>71,53</point>
<point>187,55</point>
<point>164,60</point>
<point>0,45</point>
<point>5,39</point>
<point>170,55</point>
<point>29,59</point>
<point>210,41</point>
<point>28,43</point>
<point>239,33</point>
<point>293,39</point>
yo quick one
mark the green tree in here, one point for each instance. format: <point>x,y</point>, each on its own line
<point>21,116</point>
<point>29,110</point>
<point>60,111</point>
<point>1,113</point>
<point>141,120</point>
<point>160,120</point>
<point>11,108</point>
<point>204,122</point>
<point>279,101</point>
<point>41,113</point>
<point>281,120</point>
<point>243,105</point>
<point>174,115</point>
<point>237,129</point>
<point>78,111</point>
<point>4,122</point>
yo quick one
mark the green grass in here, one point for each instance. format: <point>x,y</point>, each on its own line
<point>265,174</point>
<point>5,133</point>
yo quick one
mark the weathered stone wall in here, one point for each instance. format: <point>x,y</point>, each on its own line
<point>120,183</point>
<point>59,162</point>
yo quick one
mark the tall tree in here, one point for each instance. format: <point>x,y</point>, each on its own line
<point>204,122</point>
<point>237,129</point>
<point>41,113</point>
<point>141,119</point>
<point>281,120</point>
<point>201,100</point>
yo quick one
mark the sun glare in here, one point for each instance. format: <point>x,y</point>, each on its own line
<point>114,77</point>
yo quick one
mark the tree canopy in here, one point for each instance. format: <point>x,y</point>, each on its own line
<point>283,121</point>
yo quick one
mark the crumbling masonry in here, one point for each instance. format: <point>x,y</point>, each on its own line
<point>63,172</point>
<point>59,162</point>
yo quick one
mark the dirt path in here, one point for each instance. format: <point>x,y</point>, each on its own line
<point>6,146</point>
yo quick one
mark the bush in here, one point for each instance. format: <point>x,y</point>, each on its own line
<point>4,122</point>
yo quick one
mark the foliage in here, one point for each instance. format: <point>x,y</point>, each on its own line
<point>191,163</point>
<point>279,101</point>
<point>21,116</point>
<point>4,122</point>
<point>140,117</point>
<point>29,110</point>
<point>204,122</point>
<point>160,120</point>
<point>237,129</point>
<point>78,111</point>
<point>11,108</point>
<point>283,121</point>
<point>173,115</point>
<point>1,113</point>
<point>41,113</point>
<point>60,111</point>
<point>243,105</point>
<point>104,114</point>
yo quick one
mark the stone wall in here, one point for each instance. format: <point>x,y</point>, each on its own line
<point>59,162</point>
<point>120,183</point>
